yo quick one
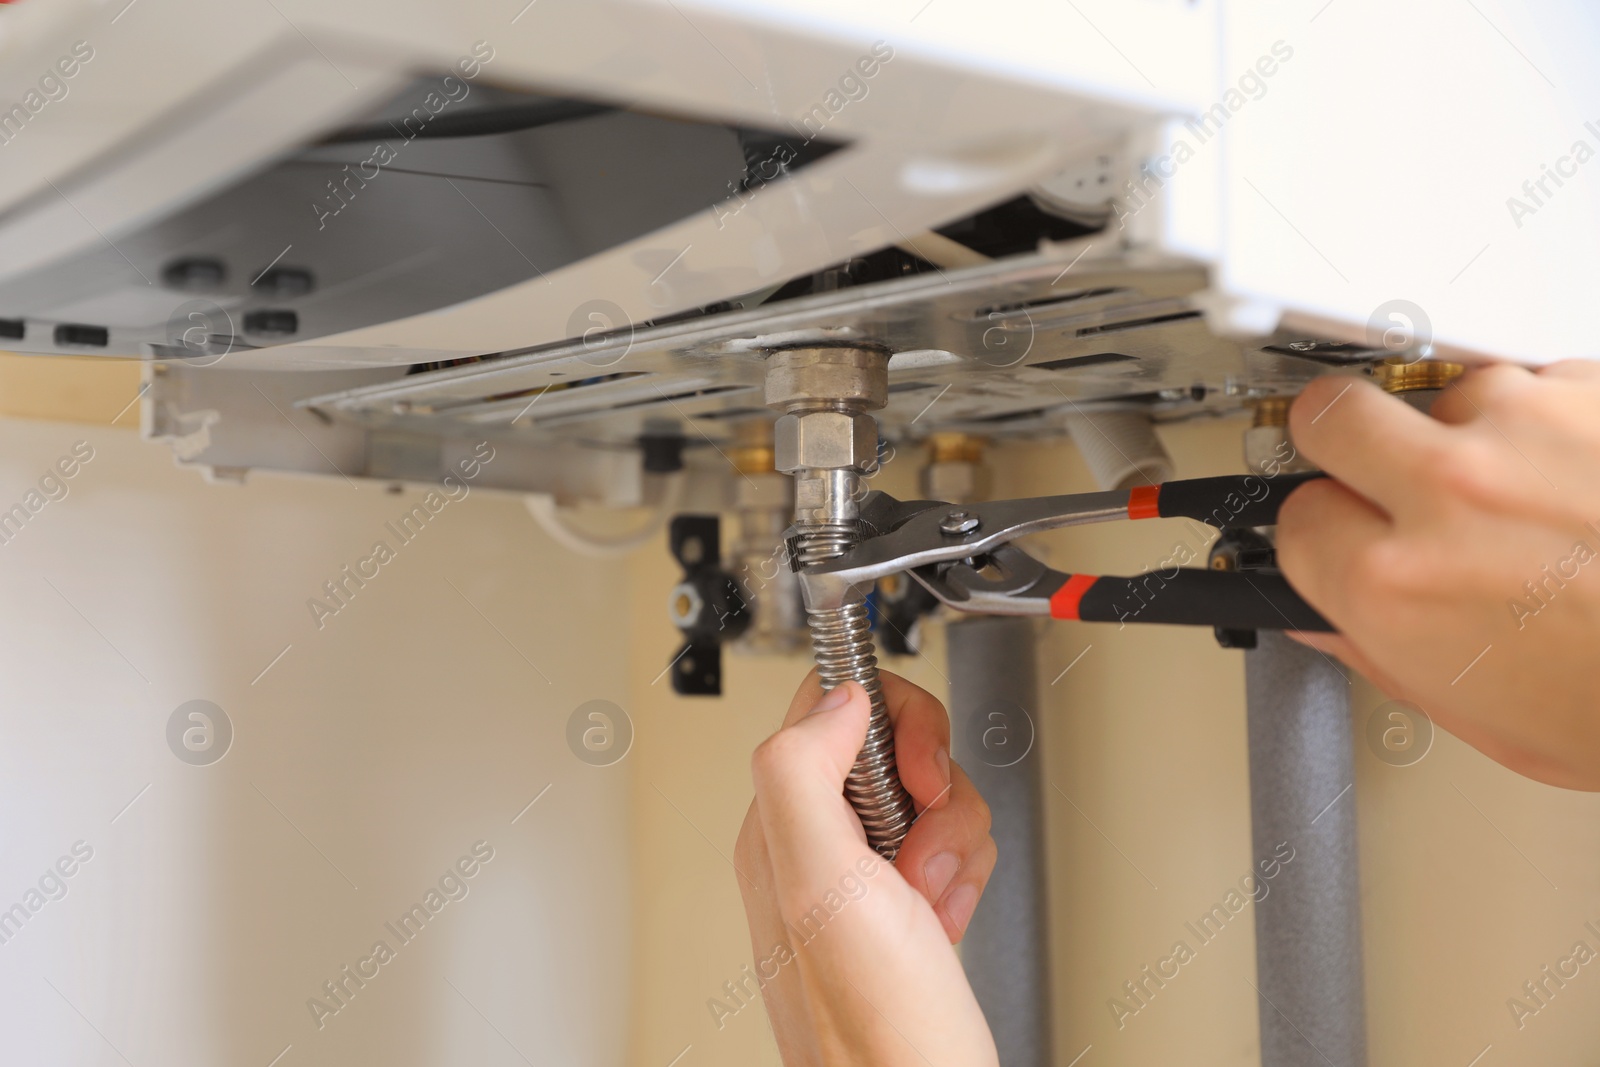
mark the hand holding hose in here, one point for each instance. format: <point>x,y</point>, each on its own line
<point>853,954</point>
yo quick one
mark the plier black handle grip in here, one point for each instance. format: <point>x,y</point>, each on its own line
<point>964,556</point>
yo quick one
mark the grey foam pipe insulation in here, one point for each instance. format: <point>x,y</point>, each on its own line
<point>994,736</point>
<point>1308,928</point>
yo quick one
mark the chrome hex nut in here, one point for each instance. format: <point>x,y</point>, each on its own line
<point>825,440</point>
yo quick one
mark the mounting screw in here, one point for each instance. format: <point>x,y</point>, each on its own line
<point>959,522</point>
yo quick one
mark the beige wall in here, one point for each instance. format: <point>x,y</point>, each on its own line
<point>69,389</point>
<point>365,761</point>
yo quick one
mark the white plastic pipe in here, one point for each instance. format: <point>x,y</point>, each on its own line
<point>1120,448</point>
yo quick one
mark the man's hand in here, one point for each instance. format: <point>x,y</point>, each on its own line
<point>854,954</point>
<point>1459,556</point>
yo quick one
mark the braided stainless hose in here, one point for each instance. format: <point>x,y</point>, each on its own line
<point>841,640</point>
<point>826,439</point>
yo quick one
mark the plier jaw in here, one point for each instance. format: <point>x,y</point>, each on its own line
<point>965,557</point>
<point>903,536</point>
<point>1005,581</point>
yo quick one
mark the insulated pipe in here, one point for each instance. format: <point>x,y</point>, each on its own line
<point>1302,797</point>
<point>1006,951</point>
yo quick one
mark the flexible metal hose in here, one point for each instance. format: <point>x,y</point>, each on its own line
<point>841,640</point>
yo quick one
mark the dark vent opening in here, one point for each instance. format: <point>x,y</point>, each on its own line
<point>1047,301</point>
<point>1013,227</point>
<point>691,394</point>
<point>1012,416</point>
<point>1134,324</point>
<point>566,387</point>
<point>84,336</point>
<point>732,413</point>
<point>1074,362</point>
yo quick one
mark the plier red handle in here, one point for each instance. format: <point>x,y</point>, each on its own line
<point>964,556</point>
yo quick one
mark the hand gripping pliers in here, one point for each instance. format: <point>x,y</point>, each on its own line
<point>964,556</point>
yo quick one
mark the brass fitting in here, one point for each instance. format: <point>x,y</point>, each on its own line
<point>1270,411</point>
<point>955,472</point>
<point>954,447</point>
<point>1395,375</point>
<point>751,450</point>
<point>1267,448</point>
